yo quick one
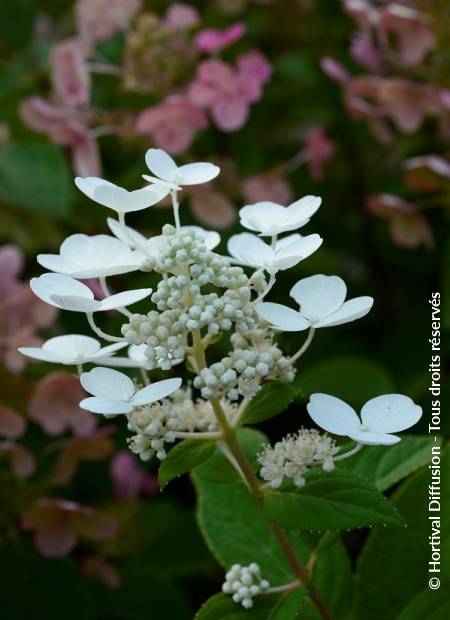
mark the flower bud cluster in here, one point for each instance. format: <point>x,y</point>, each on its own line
<point>243,583</point>
<point>294,455</point>
<point>156,425</point>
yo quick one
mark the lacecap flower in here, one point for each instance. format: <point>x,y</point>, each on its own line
<point>113,392</point>
<point>68,294</point>
<point>169,174</point>
<point>269,218</point>
<point>71,349</point>
<point>251,251</point>
<point>117,198</point>
<point>81,256</point>
<point>322,304</point>
<point>380,417</point>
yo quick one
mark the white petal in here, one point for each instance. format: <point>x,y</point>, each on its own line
<point>128,235</point>
<point>319,295</point>
<point>333,414</point>
<point>72,346</point>
<point>123,201</point>
<point>155,245</point>
<point>351,310</point>
<point>126,298</point>
<point>108,350</point>
<point>250,250</point>
<point>54,262</point>
<point>155,391</point>
<point>300,211</point>
<point>210,237</point>
<point>161,164</point>
<point>290,254</point>
<point>88,185</point>
<point>284,241</point>
<point>374,439</point>
<point>107,383</point>
<point>74,303</point>
<point>390,413</point>
<point>39,354</point>
<point>106,406</point>
<point>282,317</point>
<point>200,172</point>
<point>262,217</point>
<point>50,284</point>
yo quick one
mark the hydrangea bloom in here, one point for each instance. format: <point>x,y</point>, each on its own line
<point>71,350</point>
<point>168,173</point>
<point>118,198</point>
<point>380,417</point>
<point>269,218</point>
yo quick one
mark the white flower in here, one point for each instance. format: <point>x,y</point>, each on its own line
<point>71,349</point>
<point>136,358</point>
<point>69,294</point>
<point>118,198</point>
<point>81,256</point>
<point>252,251</point>
<point>155,245</point>
<point>380,417</point>
<point>113,392</point>
<point>243,583</point>
<point>269,218</point>
<point>322,304</point>
<point>170,175</point>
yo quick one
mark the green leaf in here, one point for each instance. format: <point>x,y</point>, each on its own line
<point>273,398</point>
<point>222,607</point>
<point>36,177</point>
<point>354,379</point>
<point>331,501</point>
<point>393,566</point>
<point>433,604</point>
<point>289,606</point>
<point>218,468</point>
<point>182,458</point>
<point>387,465</point>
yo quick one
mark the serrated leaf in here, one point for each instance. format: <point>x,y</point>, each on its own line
<point>393,566</point>
<point>35,176</point>
<point>433,604</point>
<point>331,501</point>
<point>387,465</point>
<point>272,399</point>
<point>218,468</point>
<point>183,457</point>
<point>222,607</point>
<point>289,606</point>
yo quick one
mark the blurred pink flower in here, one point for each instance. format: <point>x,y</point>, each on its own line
<point>412,30</point>
<point>54,405</point>
<point>63,128</point>
<point>58,524</point>
<point>267,187</point>
<point>180,15</point>
<point>95,447</point>
<point>365,52</point>
<point>98,20</point>
<point>408,228</point>
<point>227,92</point>
<point>427,173</point>
<point>23,462</point>
<point>335,70</point>
<point>319,149</point>
<point>254,66</point>
<point>70,75</point>
<point>11,265</point>
<point>212,40</point>
<point>212,207</point>
<point>362,11</point>
<point>12,424</point>
<point>130,481</point>
<point>97,566</point>
<point>172,124</point>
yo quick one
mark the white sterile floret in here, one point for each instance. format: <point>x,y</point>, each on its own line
<point>169,174</point>
<point>294,455</point>
<point>68,294</point>
<point>114,393</point>
<point>81,256</point>
<point>243,583</point>
<point>71,349</point>
<point>250,250</point>
<point>268,218</point>
<point>136,358</point>
<point>322,304</point>
<point>380,417</point>
<point>118,198</point>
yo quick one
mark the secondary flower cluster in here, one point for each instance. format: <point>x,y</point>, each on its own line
<point>243,583</point>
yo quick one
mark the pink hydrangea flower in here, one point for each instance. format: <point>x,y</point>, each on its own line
<point>427,173</point>
<point>12,424</point>
<point>98,20</point>
<point>267,187</point>
<point>180,15</point>
<point>212,207</point>
<point>130,481</point>
<point>22,461</point>
<point>70,75</point>
<point>58,524</point>
<point>365,52</point>
<point>319,149</point>
<point>412,30</point>
<point>65,129</point>
<point>211,40</point>
<point>255,67</point>
<point>97,566</point>
<point>92,448</point>
<point>54,405</point>
<point>172,124</point>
